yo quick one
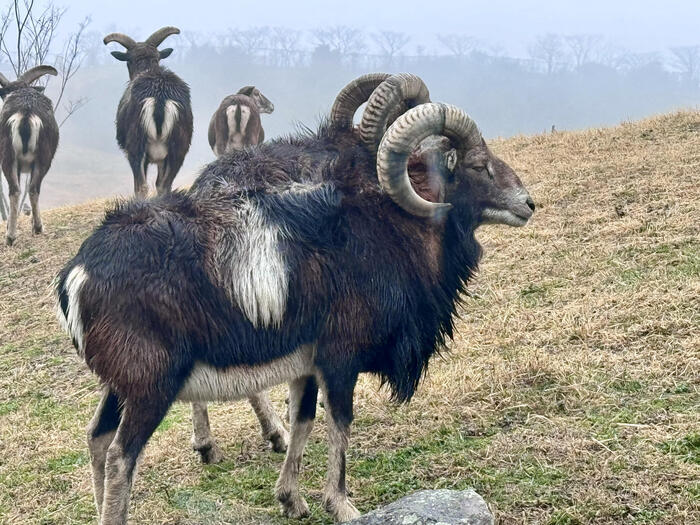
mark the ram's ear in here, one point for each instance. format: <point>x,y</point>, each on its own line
<point>165,53</point>
<point>451,159</point>
<point>119,55</point>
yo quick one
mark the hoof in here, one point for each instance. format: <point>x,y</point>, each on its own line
<point>296,508</point>
<point>211,454</point>
<point>39,230</point>
<point>279,441</point>
<point>10,240</point>
<point>348,513</point>
<point>343,511</point>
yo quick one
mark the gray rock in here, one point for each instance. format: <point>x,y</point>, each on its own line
<point>432,507</point>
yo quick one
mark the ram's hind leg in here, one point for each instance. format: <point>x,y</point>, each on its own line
<point>338,394</point>
<point>100,434</point>
<point>12,176</point>
<point>202,440</point>
<point>167,170</point>
<point>302,411</point>
<point>140,417</point>
<point>270,423</point>
<point>34,188</point>
<point>138,168</point>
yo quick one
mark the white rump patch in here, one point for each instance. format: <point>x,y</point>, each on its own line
<point>147,120</point>
<point>171,112</point>
<point>156,148</point>
<point>257,272</point>
<point>35,125</point>
<point>236,134</point>
<point>73,324</point>
<point>207,383</point>
<point>14,122</point>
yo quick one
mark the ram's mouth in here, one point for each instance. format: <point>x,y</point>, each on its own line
<point>508,217</point>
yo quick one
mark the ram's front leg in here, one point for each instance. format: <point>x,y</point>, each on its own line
<point>302,411</point>
<point>338,394</point>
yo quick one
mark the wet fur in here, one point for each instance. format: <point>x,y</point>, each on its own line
<point>368,287</point>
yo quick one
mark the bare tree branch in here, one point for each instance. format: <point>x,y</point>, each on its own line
<point>391,43</point>
<point>686,60</point>
<point>341,39</point>
<point>69,62</point>
<point>582,47</point>
<point>548,49</point>
<point>459,45</point>
<point>71,107</point>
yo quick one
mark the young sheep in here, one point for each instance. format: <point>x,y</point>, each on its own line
<point>236,123</point>
<point>28,141</point>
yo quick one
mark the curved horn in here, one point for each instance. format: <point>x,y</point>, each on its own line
<point>157,38</point>
<point>34,73</point>
<point>353,96</point>
<point>3,80</point>
<point>120,38</point>
<point>401,139</point>
<point>391,94</point>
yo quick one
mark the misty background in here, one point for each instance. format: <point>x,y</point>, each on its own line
<point>516,67</point>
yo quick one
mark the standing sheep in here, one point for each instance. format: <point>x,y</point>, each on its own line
<point>28,141</point>
<point>236,124</point>
<point>307,260</point>
<point>154,117</point>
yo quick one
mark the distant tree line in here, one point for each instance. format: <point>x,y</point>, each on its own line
<point>548,54</point>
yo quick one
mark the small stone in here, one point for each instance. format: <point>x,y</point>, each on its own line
<point>432,507</point>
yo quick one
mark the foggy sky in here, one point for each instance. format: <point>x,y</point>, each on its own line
<point>639,25</point>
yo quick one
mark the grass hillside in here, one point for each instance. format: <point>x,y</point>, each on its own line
<point>570,395</point>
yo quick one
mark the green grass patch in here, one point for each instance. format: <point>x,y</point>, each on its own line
<point>686,448</point>
<point>67,462</point>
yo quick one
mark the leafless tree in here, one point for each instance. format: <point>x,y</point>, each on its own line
<point>548,49</point>
<point>250,41</point>
<point>582,47</point>
<point>285,42</point>
<point>459,45</point>
<point>28,39</point>
<point>628,61</point>
<point>341,39</point>
<point>391,43</point>
<point>686,59</point>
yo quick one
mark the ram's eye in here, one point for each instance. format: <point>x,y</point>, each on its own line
<point>486,170</point>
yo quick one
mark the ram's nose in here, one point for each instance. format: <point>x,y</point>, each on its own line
<point>530,203</point>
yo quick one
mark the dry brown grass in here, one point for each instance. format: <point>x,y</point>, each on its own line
<point>570,394</point>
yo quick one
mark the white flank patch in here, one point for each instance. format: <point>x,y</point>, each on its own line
<point>73,324</point>
<point>207,383</point>
<point>258,277</point>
